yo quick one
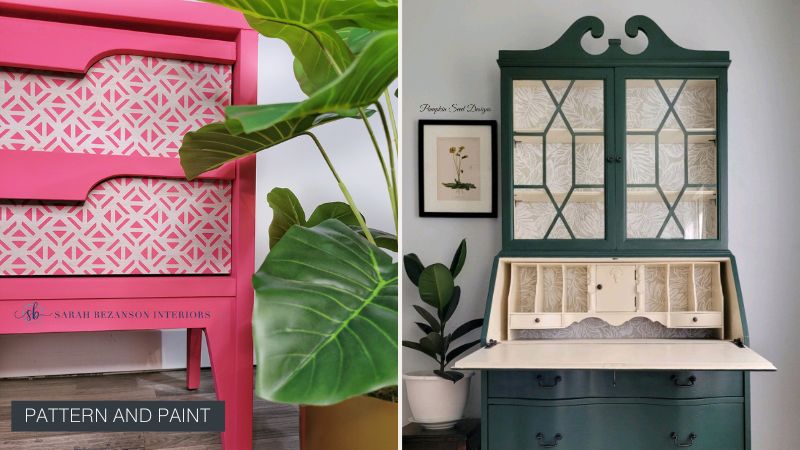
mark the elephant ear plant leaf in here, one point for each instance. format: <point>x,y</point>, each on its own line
<point>437,289</point>
<point>325,315</point>
<point>326,325</point>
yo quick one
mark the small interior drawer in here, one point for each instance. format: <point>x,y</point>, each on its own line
<point>532,321</point>
<point>565,384</point>
<point>696,320</point>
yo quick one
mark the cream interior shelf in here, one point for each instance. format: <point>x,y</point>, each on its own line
<point>595,136</point>
<point>675,294</point>
<point>583,196</point>
<point>561,136</point>
<point>628,354</point>
<point>672,136</point>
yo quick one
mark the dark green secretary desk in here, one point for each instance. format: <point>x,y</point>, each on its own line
<point>614,318</point>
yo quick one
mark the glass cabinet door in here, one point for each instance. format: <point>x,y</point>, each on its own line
<point>671,159</point>
<point>558,159</point>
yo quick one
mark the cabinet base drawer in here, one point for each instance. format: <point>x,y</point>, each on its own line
<point>564,384</point>
<point>604,426</point>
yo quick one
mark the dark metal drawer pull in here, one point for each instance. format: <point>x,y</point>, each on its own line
<point>553,443</point>
<point>556,380</point>
<point>688,443</point>
<point>689,382</point>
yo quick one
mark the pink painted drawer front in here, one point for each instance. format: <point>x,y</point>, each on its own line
<point>126,226</point>
<point>124,105</point>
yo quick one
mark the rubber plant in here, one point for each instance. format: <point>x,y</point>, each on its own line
<point>325,315</point>
<point>437,289</point>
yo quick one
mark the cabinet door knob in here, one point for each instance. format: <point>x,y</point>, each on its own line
<point>537,320</point>
<point>688,443</point>
<point>618,159</point>
<point>599,287</point>
<point>694,319</point>
<point>551,444</point>
<point>609,159</point>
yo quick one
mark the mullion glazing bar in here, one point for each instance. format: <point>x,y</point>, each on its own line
<point>671,213</point>
<point>557,112</point>
<point>670,110</point>
<point>559,213</point>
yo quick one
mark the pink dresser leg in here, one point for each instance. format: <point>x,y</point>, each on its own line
<point>194,346</point>
<point>233,382</point>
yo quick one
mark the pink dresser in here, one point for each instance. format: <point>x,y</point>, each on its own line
<point>99,230</point>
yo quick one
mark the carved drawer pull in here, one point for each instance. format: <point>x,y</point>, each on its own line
<point>540,378</point>
<point>688,443</point>
<point>689,382</point>
<point>551,444</point>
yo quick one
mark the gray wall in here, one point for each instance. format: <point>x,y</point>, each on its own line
<point>448,56</point>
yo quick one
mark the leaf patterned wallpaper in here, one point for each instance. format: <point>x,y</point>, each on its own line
<point>636,328</point>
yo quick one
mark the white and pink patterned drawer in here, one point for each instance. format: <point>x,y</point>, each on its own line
<point>128,107</point>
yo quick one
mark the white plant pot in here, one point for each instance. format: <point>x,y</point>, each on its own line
<point>436,403</point>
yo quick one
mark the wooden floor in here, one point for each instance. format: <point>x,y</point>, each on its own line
<point>274,425</point>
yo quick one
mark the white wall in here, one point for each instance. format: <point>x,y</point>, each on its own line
<point>295,164</point>
<point>449,52</point>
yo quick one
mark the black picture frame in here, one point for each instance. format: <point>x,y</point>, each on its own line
<point>421,169</point>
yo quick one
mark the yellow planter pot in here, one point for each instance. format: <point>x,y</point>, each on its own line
<point>360,423</point>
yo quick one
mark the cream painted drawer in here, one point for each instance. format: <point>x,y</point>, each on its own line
<point>528,321</point>
<point>696,320</point>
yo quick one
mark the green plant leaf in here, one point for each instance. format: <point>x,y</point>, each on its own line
<point>452,304</point>
<point>466,327</point>
<point>436,286</point>
<point>213,145</point>
<point>433,342</point>
<point>286,212</point>
<point>459,350</point>
<point>416,346</point>
<point>414,267</point>
<point>359,86</point>
<point>458,258</point>
<point>424,327</point>
<point>450,375</point>
<point>435,325</point>
<point>309,28</point>
<point>334,210</point>
<point>355,38</point>
<point>383,239</point>
<point>325,317</point>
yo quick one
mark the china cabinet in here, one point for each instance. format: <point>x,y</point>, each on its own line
<point>614,317</point>
<point>99,229</point>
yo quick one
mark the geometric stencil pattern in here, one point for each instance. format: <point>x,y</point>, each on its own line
<point>124,105</point>
<point>126,226</point>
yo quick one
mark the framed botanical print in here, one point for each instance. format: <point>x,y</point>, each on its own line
<point>457,168</point>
